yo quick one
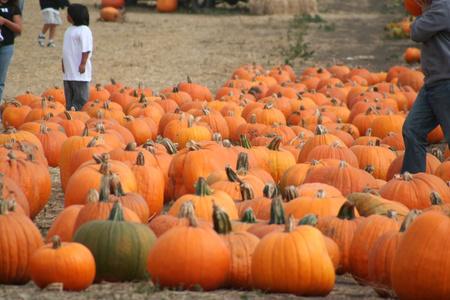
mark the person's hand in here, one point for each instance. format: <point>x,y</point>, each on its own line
<point>423,4</point>
<point>2,21</point>
<point>82,68</point>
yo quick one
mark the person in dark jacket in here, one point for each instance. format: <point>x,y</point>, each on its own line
<point>432,105</point>
<point>50,11</point>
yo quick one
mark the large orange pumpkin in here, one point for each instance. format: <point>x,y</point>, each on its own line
<point>189,257</point>
<point>306,246</point>
<point>423,251</point>
<point>18,241</point>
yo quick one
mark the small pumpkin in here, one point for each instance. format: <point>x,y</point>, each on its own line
<point>71,264</point>
<point>110,14</point>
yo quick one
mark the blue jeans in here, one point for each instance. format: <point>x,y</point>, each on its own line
<point>6,53</point>
<point>431,108</point>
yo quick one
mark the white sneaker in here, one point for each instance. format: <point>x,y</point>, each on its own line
<point>51,44</point>
<point>41,41</point>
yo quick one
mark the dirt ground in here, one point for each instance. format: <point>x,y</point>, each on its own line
<point>160,50</point>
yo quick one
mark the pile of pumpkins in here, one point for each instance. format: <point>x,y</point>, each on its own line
<point>277,182</point>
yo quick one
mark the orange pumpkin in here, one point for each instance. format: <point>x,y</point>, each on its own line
<point>72,264</point>
<point>185,249</point>
<point>110,14</point>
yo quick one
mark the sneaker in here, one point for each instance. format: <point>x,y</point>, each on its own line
<point>51,44</point>
<point>41,41</point>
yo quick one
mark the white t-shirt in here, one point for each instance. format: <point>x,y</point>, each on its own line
<point>77,40</point>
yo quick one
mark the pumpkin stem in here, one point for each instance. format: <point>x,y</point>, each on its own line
<point>231,175</point>
<point>347,211</point>
<point>221,220</point>
<point>291,193</point>
<point>242,161</point>
<point>193,222</point>
<point>115,186</point>
<point>116,212</point>
<point>4,208</point>
<point>270,190</point>
<point>245,141</point>
<point>140,159</point>
<point>202,188</point>
<point>186,209</point>
<point>246,191</point>
<point>290,224</point>
<point>309,219</point>
<point>170,146</point>
<point>410,217</point>
<point>56,242</point>
<point>249,216</point>
<point>392,214</point>
<point>277,213</point>
<point>435,198</point>
<point>275,143</point>
<point>103,194</point>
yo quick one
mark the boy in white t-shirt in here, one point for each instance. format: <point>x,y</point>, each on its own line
<point>76,60</point>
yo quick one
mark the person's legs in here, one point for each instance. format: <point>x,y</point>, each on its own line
<point>419,122</point>
<point>6,54</point>
<point>68,92</point>
<point>440,97</point>
<point>41,37</point>
<point>52,28</point>
<point>80,95</point>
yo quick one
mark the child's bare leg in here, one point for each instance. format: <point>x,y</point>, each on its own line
<point>52,28</point>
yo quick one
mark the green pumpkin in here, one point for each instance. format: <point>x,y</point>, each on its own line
<point>120,248</point>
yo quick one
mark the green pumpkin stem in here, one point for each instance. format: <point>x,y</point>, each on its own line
<point>249,216</point>
<point>309,219</point>
<point>277,213</point>
<point>116,212</point>
<point>347,211</point>
<point>56,242</point>
<point>202,188</point>
<point>275,143</point>
<point>170,146</point>
<point>221,220</point>
<point>245,141</point>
